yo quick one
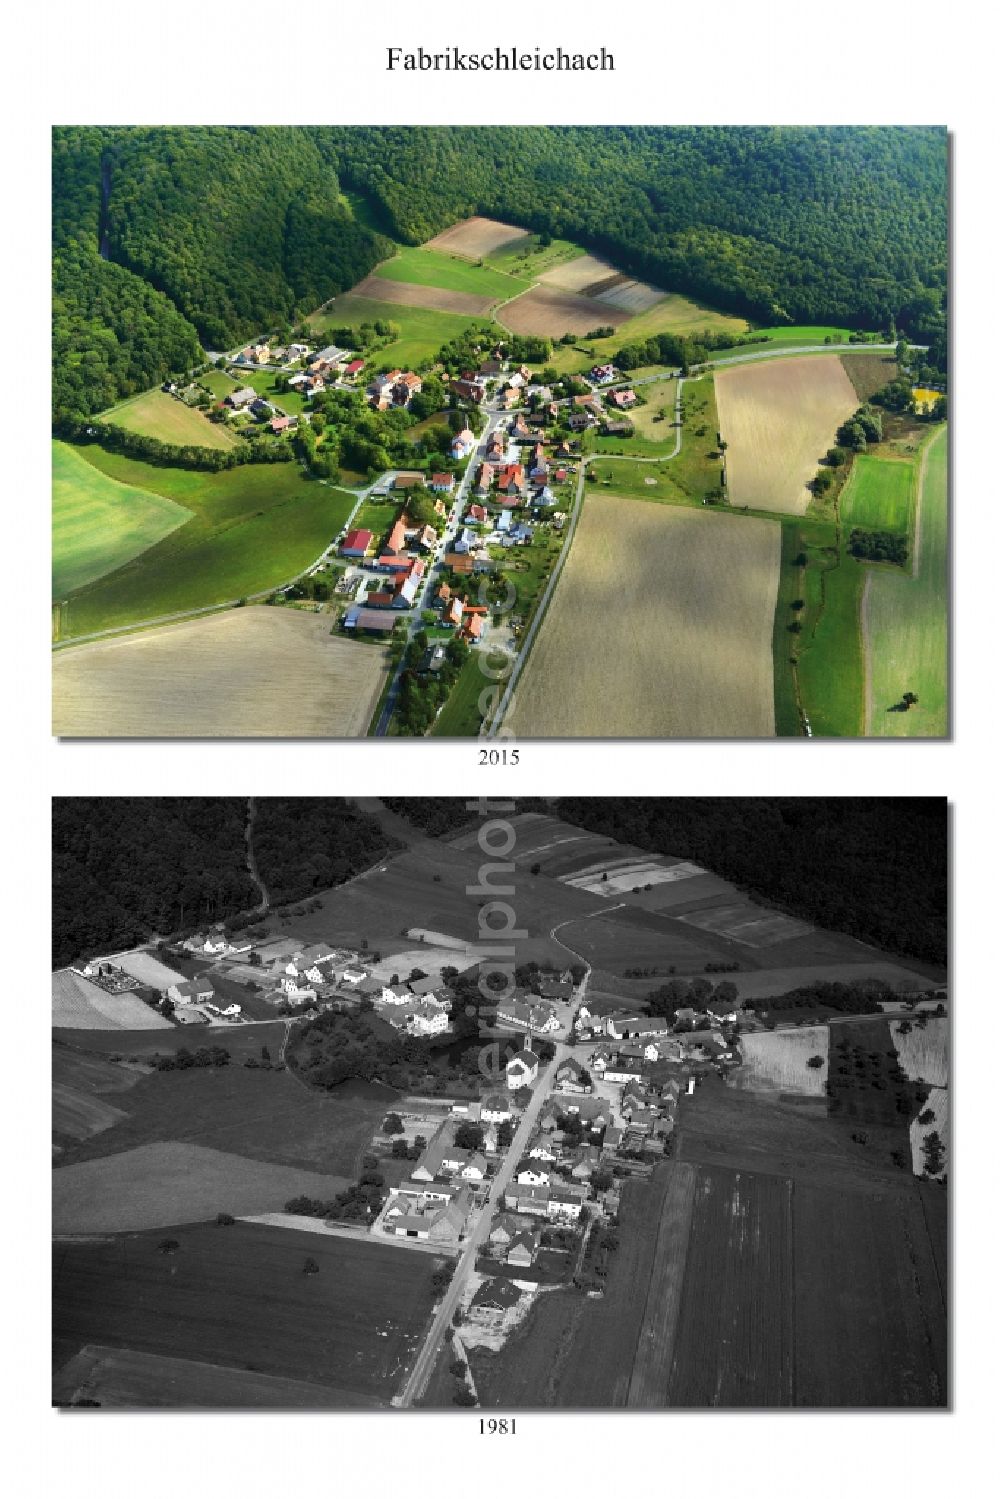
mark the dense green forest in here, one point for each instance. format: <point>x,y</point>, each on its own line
<point>167,237</point>
<point>787,224</point>
<point>874,867</point>
<point>124,868</point>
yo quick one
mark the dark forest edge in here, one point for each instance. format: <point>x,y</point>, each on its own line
<point>840,225</point>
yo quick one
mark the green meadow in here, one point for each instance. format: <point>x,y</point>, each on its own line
<point>907,618</point>
<point>879,494</point>
<point>250,529</point>
<point>423,329</point>
<point>423,267</point>
<point>99,522</point>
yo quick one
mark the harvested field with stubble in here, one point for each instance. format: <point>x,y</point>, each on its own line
<point>682,651</point>
<point>476,237</point>
<point>779,417</point>
<point>78,1004</point>
<point>550,312</point>
<point>922,1049</point>
<point>778,1061</point>
<point>409,294</point>
<point>256,672</point>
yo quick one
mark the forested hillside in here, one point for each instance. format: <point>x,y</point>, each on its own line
<point>782,223</point>
<point>124,868</point>
<point>167,236</point>
<point>209,234</point>
<point>874,867</point>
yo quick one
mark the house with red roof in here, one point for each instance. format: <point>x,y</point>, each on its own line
<point>487,472</point>
<point>396,539</point>
<point>473,626</point>
<point>477,514</point>
<point>354,368</point>
<point>356,544</point>
<point>453,613</point>
<point>442,483</point>
<point>623,399</point>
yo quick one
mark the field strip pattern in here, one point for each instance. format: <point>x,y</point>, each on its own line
<point>654,1353</point>
<point>622,880</point>
<point>747,924</point>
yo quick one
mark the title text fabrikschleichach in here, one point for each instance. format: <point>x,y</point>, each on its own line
<point>498,61</point>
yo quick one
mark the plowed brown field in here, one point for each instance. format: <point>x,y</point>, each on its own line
<point>548,311</point>
<point>477,237</point>
<point>408,294</point>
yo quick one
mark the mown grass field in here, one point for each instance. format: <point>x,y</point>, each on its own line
<point>906,618</point>
<point>251,528</point>
<point>154,413</point>
<point>880,494</point>
<point>424,329</point>
<point>237,1296</point>
<point>99,522</point>
<point>122,1379</point>
<point>424,267</point>
<point>831,665</point>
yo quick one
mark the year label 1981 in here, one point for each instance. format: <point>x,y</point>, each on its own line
<point>497,1426</point>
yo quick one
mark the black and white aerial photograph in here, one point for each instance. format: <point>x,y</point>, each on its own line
<point>562,1103</point>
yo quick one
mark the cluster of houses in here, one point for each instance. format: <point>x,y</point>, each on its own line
<point>633,1042</point>
<point>263,353</point>
<point>393,388</point>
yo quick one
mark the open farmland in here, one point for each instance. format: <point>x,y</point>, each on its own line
<point>80,1108</point>
<point>258,1113</point>
<point>414,294</point>
<point>477,237</point>
<point>153,1186</point>
<point>100,523</point>
<point>746,923</point>
<point>426,267</point>
<point>679,647</point>
<point>905,617</point>
<point>779,417</point>
<point>870,1299</point>
<point>548,311</point>
<point>778,1061</point>
<point>734,1340</point>
<point>654,1354</point>
<point>154,413</point>
<point>122,1379</point>
<point>253,527</point>
<point>423,330</point>
<point>77,1004</point>
<point>253,672</point>
<point>587,276</point>
<point>237,1297</point>
<point>922,1049</point>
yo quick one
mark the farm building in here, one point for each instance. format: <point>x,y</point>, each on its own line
<point>356,543</point>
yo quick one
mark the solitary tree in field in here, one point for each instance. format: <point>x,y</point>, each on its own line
<point>168,1246</point>
<point>815,1062</point>
<point>908,699</point>
<point>310,1267</point>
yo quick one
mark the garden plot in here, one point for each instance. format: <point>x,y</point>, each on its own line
<point>78,1004</point>
<point>778,1061</point>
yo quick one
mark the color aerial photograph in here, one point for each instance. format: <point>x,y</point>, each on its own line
<point>543,432</point>
<point>574,1103</point>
